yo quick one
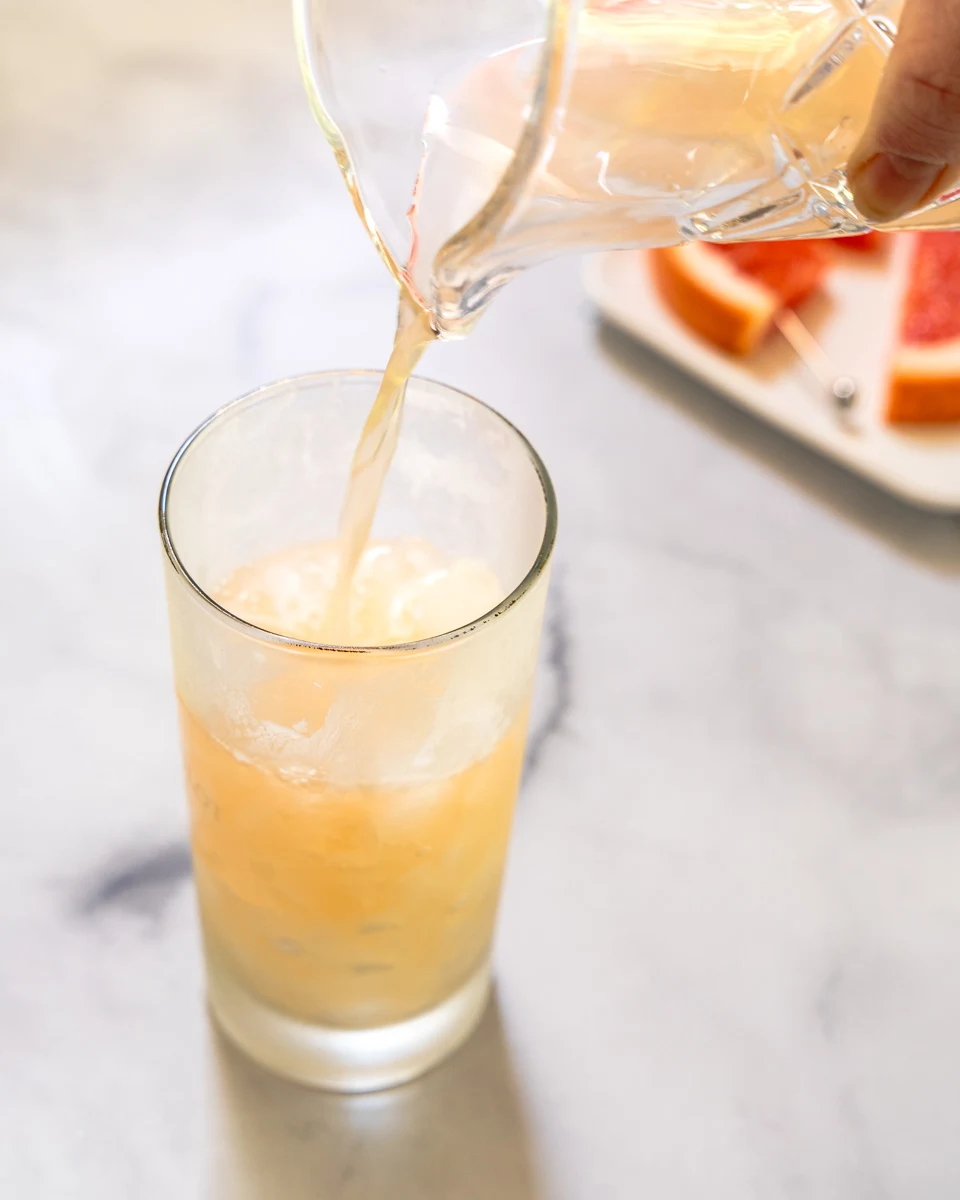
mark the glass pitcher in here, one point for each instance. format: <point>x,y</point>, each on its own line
<point>478,137</point>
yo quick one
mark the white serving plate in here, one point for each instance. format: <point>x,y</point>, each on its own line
<point>854,324</point>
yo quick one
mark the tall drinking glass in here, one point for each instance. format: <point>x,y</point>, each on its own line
<point>350,806</point>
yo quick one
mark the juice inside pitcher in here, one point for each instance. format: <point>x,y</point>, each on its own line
<point>681,120</point>
<point>614,123</point>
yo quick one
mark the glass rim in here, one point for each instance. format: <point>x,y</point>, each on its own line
<point>261,393</point>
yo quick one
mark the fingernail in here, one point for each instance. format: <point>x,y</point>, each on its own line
<point>888,186</point>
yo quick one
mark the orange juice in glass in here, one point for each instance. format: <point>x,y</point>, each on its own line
<point>351,804</point>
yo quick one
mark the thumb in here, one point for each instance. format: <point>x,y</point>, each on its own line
<point>910,151</point>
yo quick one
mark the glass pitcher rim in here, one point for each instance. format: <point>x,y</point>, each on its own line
<point>539,128</point>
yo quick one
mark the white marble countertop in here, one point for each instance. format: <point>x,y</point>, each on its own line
<point>729,960</point>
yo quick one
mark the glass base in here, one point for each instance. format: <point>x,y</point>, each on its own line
<point>347,1060</point>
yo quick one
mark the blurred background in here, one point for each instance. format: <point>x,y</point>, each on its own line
<point>729,960</point>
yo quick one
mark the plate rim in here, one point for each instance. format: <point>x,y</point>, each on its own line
<point>603,293</point>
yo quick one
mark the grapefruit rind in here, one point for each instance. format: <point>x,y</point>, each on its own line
<point>713,297</point>
<point>925,383</point>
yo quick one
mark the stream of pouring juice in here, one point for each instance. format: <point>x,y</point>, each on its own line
<point>373,455</point>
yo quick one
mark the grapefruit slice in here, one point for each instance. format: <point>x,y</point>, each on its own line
<point>731,295</point>
<point>860,243</point>
<point>925,376</point>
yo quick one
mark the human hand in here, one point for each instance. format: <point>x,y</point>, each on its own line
<point>910,151</point>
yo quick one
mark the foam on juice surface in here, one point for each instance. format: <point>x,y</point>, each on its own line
<point>402,591</point>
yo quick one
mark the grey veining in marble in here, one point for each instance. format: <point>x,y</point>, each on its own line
<point>729,959</point>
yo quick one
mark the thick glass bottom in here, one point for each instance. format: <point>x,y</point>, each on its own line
<point>346,1060</point>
